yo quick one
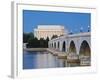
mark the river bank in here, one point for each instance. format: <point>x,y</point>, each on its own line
<point>54,52</point>
<point>35,49</point>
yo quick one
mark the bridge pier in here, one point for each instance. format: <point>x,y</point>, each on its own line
<point>85,61</point>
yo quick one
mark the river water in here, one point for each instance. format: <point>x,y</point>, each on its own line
<point>36,60</point>
<point>44,59</point>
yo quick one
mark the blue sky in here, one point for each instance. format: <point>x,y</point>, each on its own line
<point>71,20</point>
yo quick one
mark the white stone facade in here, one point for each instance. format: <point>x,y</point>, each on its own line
<point>44,31</point>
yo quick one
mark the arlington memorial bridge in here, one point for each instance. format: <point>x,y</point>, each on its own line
<point>76,48</point>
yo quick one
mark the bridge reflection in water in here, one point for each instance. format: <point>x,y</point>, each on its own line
<point>44,59</point>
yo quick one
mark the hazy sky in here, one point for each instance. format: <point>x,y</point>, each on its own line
<point>71,20</point>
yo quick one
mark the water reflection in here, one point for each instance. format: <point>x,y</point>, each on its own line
<point>33,60</point>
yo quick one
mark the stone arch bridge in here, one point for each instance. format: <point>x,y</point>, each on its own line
<point>77,47</point>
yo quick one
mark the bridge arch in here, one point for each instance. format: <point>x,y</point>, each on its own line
<point>64,46</point>
<point>55,45</point>
<point>58,44</point>
<point>85,49</point>
<point>72,48</point>
<point>52,45</point>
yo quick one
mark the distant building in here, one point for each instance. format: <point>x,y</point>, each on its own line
<point>44,31</point>
<point>25,45</point>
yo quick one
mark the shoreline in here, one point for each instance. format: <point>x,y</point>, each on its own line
<point>35,49</point>
<point>54,52</point>
<point>61,55</point>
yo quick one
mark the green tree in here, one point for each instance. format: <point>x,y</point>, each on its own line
<point>26,37</point>
<point>46,42</point>
<point>33,42</point>
<point>54,36</point>
<point>41,42</point>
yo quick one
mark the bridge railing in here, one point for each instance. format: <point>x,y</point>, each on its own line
<point>72,35</point>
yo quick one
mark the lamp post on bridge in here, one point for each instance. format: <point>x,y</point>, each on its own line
<point>71,32</point>
<point>88,28</point>
<point>81,29</point>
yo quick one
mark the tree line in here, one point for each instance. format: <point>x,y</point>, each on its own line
<point>33,42</point>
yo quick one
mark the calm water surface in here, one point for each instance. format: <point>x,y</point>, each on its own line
<point>35,60</point>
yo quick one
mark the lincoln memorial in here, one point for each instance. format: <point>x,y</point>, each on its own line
<point>44,31</point>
